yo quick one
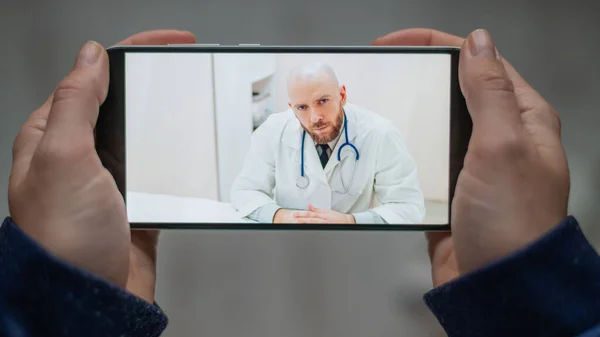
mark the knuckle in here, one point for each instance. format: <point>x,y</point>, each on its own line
<point>545,118</point>
<point>494,79</point>
<point>508,146</point>
<point>69,88</point>
<point>554,118</point>
<point>17,144</point>
<point>55,154</point>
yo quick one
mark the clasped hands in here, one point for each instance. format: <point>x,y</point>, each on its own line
<point>313,215</point>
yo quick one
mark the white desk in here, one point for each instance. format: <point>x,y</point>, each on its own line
<point>146,207</point>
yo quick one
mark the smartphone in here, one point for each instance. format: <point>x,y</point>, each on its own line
<point>284,137</point>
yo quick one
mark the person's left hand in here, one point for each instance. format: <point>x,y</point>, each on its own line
<point>79,214</point>
<point>142,269</point>
<point>323,215</point>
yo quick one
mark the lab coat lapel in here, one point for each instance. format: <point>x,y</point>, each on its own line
<point>313,163</point>
<point>352,125</point>
<point>292,137</point>
<point>333,159</point>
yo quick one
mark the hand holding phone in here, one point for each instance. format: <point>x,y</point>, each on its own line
<point>59,192</point>
<point>514,186</point>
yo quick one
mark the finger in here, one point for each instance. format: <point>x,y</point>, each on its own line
<point>32,131</point>
<point>317,210</point>
<point>311,220</point>
<point>533,107</point>
<point>301,214</point>
<point>28,139</point>
<point>74,110</point>
<point>419,37</point>
<point>309,214</point>
<point>312,208</point>
<point>488,91</point>
<point>430,37</point>
<point>159,37</point>
<point>146,241</point>
<point>434,238</point>
<point>528,98</point>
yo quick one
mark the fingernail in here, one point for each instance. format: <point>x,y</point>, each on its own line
<point>481,44</point>
<point>88,54</point>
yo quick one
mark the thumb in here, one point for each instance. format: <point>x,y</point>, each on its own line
<point>315,209</point>
<point>488,90</point>
<point>312,208</point>
<point>69,131</point>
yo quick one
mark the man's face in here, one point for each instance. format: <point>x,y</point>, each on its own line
<point>318,104</point>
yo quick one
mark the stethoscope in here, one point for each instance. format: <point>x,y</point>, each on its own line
<point>302,181</point>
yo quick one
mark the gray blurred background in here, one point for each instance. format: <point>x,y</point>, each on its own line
<point>310,283</point>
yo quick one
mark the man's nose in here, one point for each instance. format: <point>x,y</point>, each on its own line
<point>315,116</point>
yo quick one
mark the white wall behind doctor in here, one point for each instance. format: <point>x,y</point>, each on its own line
<point>412,90</point>
<point>170,131</point>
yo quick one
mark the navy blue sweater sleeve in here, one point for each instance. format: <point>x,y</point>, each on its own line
<point>549,288</point>
<point>41,295</point>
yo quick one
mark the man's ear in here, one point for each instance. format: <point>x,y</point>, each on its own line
<point>343,94</point>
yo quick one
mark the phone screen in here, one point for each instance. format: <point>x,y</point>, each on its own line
<point>310,139</point>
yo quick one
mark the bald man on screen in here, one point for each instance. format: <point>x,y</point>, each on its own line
<point>325,160</point>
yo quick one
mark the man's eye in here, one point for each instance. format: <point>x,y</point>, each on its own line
<point>324,100</point>
<point>301,107</point>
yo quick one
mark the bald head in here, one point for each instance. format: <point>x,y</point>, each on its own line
<point>317,98</point>
<point>311,73</point>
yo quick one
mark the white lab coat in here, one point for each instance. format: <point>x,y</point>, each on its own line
<point>385,179</point>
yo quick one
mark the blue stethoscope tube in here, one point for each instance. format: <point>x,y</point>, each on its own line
<point>302,181</point>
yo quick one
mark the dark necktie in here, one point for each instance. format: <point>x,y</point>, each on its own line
<point>324,157</point>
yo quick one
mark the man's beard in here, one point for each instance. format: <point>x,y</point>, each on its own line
<point>324,139</point>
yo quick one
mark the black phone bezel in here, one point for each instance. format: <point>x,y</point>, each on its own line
<point>110,127</point>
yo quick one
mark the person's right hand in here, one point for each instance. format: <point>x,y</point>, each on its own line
<point>514,186</point>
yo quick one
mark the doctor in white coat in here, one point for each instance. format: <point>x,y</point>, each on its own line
<point>325,160</point>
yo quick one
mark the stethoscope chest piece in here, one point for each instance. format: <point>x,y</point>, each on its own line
<point>302,182</point>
